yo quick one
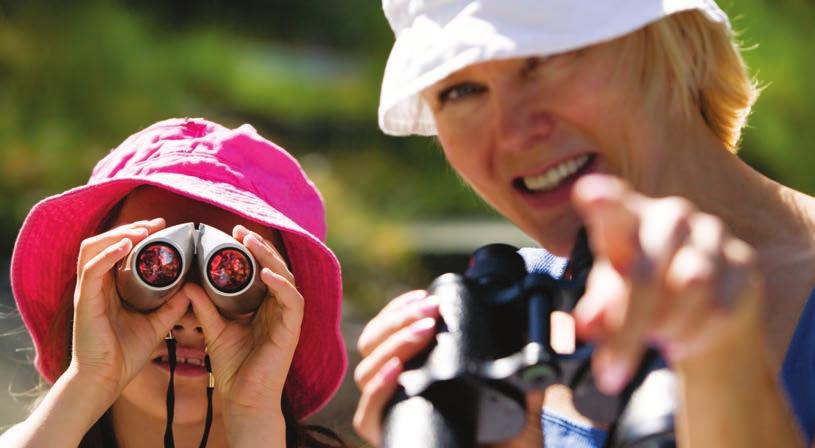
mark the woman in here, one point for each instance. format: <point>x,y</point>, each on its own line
<point>623,117</point>
<point>108,363</point>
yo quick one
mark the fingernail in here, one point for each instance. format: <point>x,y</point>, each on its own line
<point>613,377</point>
<point>423,326</point>
<point>390,370</point>
<point>428,306</point>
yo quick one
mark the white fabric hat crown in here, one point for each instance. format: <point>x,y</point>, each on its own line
<point>435,38</point>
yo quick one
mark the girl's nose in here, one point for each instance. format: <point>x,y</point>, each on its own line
<point>188,326</point>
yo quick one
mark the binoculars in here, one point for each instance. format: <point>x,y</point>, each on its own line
<point>492,346</point>
<point>157,267</point>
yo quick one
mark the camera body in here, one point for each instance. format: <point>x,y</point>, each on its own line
<point>493,346</point>
<point>157,267</point>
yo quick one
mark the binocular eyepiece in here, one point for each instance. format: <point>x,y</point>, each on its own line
<point>158,266</point>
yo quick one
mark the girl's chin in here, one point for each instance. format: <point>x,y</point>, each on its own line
<point>187,410</point>
<point>148,393</point>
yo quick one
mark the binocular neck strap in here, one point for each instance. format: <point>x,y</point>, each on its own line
<point>210,387</point>
<point>168,431</point>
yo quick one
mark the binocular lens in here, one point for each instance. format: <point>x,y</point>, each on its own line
<point>229,270</point>
<point>159,264</point>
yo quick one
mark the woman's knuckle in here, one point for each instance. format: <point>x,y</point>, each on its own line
<point>366,341</point>
<point>362,345</point>
<point>678,206</point>
<point>740,254</point>
<point>359,376</point>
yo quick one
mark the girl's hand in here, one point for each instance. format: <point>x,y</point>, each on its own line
<point>251,358</point>
<point>111,343</point>
<point>665,275</point>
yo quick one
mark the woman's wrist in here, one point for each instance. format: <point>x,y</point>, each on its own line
<point>730,395</point>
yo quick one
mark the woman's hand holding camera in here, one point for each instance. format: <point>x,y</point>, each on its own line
<point>251,357</point>
<point>111,343</point>
<point>403,328</point>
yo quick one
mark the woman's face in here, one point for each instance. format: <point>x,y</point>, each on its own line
<point>521,131</point>
<point>146,394</point>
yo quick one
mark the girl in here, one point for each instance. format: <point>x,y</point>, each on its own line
<point>109,367</point>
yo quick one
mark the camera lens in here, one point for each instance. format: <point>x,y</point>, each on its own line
<point>229,270</point>
<point>158,264</point>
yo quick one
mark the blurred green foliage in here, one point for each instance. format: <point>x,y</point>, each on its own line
<point>77,77</point>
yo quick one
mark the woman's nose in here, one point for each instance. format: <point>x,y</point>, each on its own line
<point>522,120</point>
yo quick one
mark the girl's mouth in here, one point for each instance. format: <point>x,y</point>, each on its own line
<point>191,367</point>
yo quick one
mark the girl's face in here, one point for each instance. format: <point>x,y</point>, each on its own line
<point>146,394</point>
<point>521,131</point>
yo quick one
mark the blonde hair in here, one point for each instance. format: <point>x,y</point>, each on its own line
<point>703,61</point>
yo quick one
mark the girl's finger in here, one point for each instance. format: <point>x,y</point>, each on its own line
<point>136,231</point>
<point>167,315</point>
<point>91,247</point>
<point>206,312</point>
<point>403,345</point>
<point>287,297</point>
<point>375,394</point>
<point>90,282</point>
<point>387,323</point>
<point>266,254</point>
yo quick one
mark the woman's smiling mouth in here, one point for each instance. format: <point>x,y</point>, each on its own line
<point>556,176</point>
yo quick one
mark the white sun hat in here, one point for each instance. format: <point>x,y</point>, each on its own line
<point>435,38</point>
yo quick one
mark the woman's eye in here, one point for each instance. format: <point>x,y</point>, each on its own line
<point>459,91</point>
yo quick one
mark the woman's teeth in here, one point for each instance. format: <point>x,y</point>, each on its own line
<point>191,361</point>
<point>555,175</point>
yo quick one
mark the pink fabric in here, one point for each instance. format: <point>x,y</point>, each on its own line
<point>234,169</point>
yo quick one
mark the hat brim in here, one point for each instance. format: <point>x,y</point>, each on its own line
<point>47,247</point>
<point>442,40</point>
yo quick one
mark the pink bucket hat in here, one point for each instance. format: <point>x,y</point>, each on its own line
<point>234,169</point>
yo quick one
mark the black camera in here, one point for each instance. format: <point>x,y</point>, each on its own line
<point>493,345</point>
